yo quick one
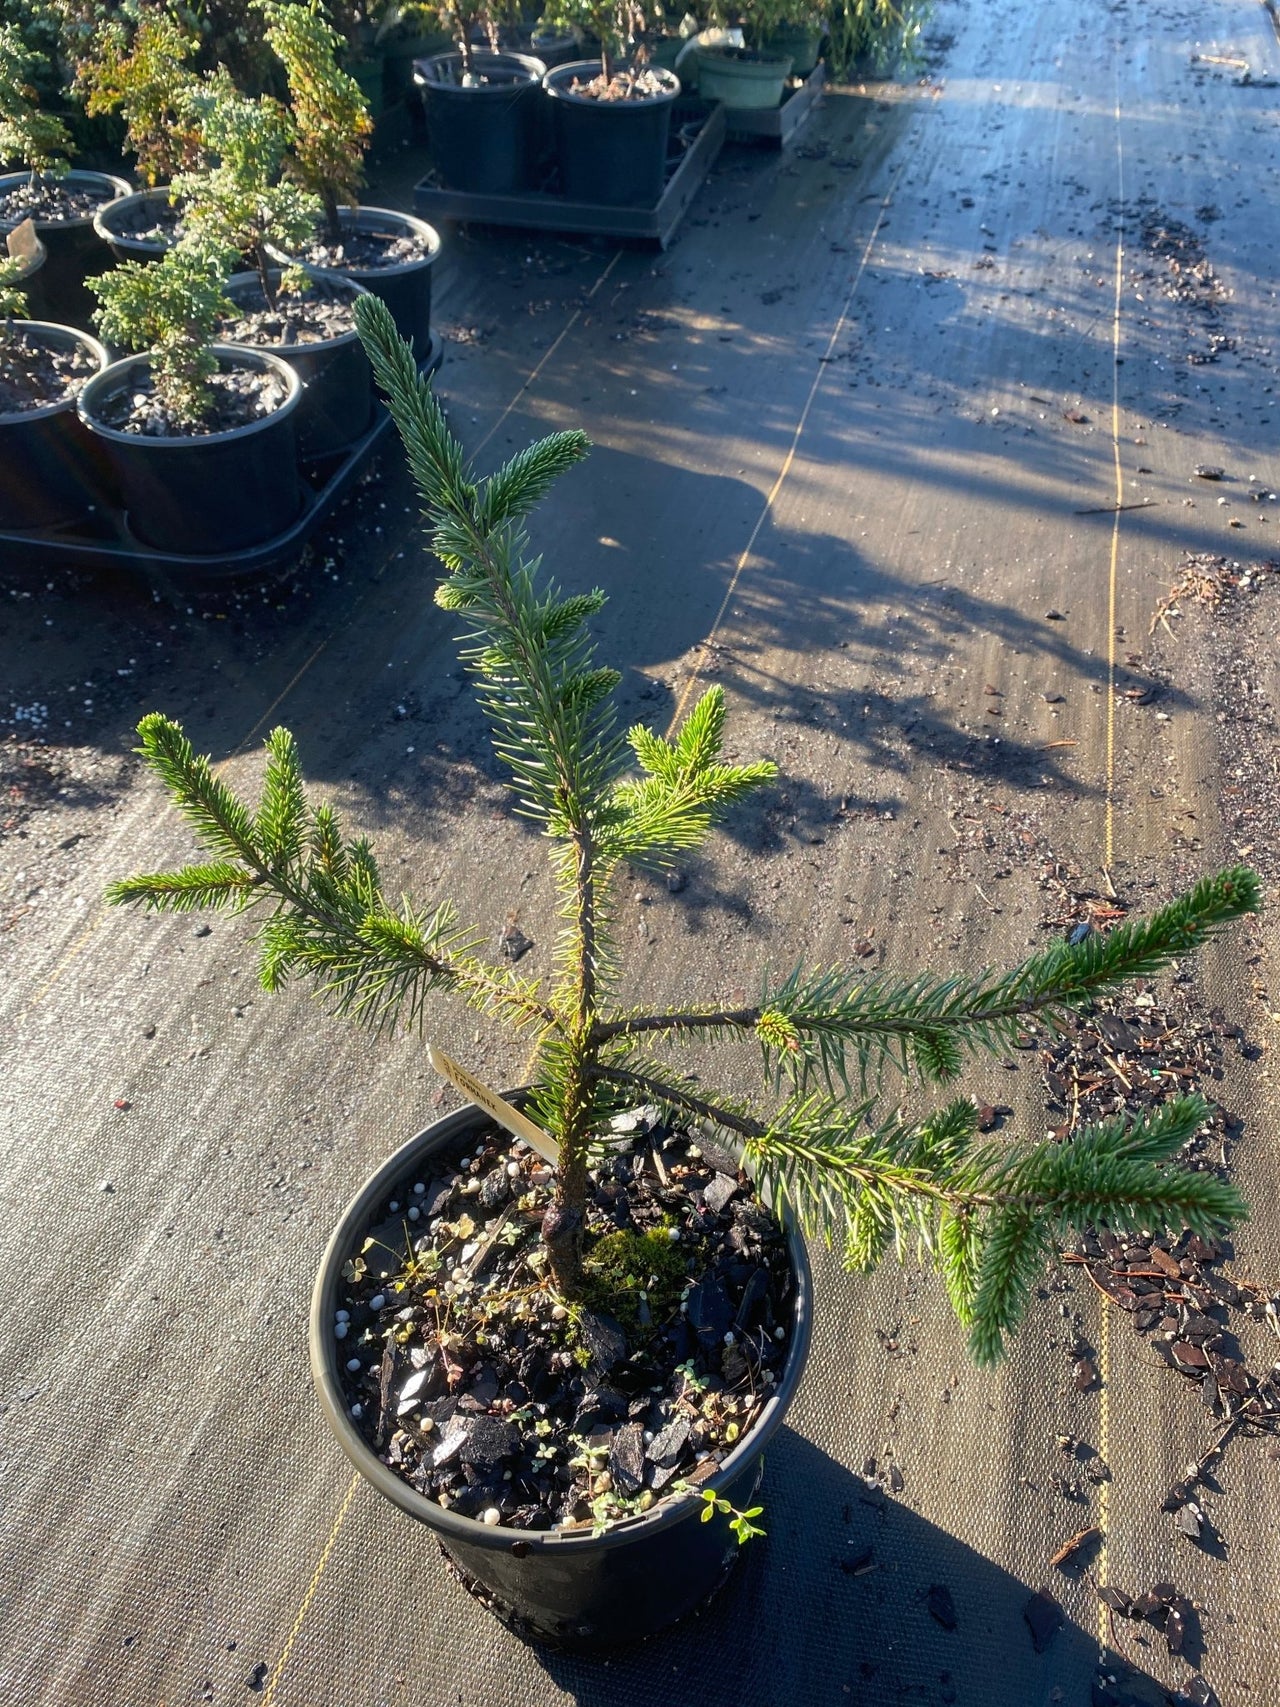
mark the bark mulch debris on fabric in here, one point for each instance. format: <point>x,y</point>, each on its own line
<point>469,1377</point>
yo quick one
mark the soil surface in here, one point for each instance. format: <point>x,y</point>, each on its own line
<point>150,221</point>
<point>240,396</point>
<point>34,373</point>
<point>641,85</point>
<point>366,251</point>
<point>467,1376</point>
<point>312,316</point>
<point>49,201</point>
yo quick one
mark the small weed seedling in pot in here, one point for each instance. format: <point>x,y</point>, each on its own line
<point>815,1141</point>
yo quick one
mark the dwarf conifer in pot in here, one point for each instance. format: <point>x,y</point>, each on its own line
<point>145,73</point>
<point>817,1138</point>
<point>29,136</point>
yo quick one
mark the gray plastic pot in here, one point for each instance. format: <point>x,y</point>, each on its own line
<point>571,1589</point>
<point>405,287</point>
<point>211,493</point>
<point>51,474</point>
<point>801,43</point>
<point>75,251</point>
<point>741,78</point>
<point>112,225</point>
<point>336,407</point>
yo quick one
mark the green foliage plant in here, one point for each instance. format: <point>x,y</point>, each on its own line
<point>816,1138</point>
<point>878,33</point>
<point>242,203</point>
<point>13,302</point>
<point>29,136</point>
<point>462,18</point>
<point>624,1268</point>
<point>331,123</point>
<point>145,73</point>
<point>170,307</point>
<point>616,24</point>
<point>740,1523</point>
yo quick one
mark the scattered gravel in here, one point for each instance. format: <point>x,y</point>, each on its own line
<point>34,373</point>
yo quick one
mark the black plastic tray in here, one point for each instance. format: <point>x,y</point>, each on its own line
<point>778,124</point>
<point>108,543</point>
<point>697,131</point>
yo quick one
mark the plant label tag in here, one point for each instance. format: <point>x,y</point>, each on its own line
<point>494,1105</point>
<point>23,244</point>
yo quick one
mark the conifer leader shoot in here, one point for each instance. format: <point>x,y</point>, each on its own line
<point>989,1212</point>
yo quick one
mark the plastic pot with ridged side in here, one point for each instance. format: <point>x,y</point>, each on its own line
<point>202,494</point>
<point>568,1588</point>
<point>336,407</point>
<point>611,152</point>
<point>403,284</point>
<point>51,474</point>
<point>483,124</point>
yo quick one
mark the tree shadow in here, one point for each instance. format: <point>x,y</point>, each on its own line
<point>854,1597</point>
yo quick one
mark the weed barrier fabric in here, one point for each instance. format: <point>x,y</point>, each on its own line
<point>177,1147</point>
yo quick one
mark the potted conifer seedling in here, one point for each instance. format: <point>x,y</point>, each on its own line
<point>391,254</point>
<point>612,116</point>
<point>46,462</point>
<point>61,202</point>
<point>200,435</point>
<point>482,106</point>
<point>145,74</point>
<point>560,1334</point>
<point>245,204</point>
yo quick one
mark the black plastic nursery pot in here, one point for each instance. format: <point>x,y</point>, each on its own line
<point>51,474</point>
<point>571,1589</point>
<point>405,286</point>
<point>483,136</point>
<point>74,249</point>
<point>118,223</point>
<point>610,152</point>
<point>338,395</point>
<point>208,494</point>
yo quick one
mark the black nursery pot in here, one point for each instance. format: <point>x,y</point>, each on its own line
<point>74,249</point>
<point>210,494</point>
<point>610,152</point>
<point>404,287</point>
<point>338,395</point>
<point>483,139</point>
<point>50,472</point>
<point>572,1589</point>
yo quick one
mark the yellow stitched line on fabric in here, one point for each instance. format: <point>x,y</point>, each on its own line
<point>704,646</point>
<point>269,1693</point>
<point>1104,1335</point>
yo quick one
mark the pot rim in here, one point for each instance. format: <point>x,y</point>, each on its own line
<point>574,70</point>
<point>289,353</point>
<point>120,186</point>
<point>745,61</point>
<point>102,221</point>
<point>531,72</point>
<point>417,228</point>
<point>355,1222</point>
<point>71,334</point>
<point>242,354</point>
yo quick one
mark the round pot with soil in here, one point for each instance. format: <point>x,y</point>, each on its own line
<point>314,332</point>
<point>139,227</point>
<point>391,255</point>
<point>231,483</point>
<point>566,1490</point>
<point>50,475</point>
<point>742,78</point>
<point>611,132</point>
<point>63,209</point>
<point>482,120</point>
